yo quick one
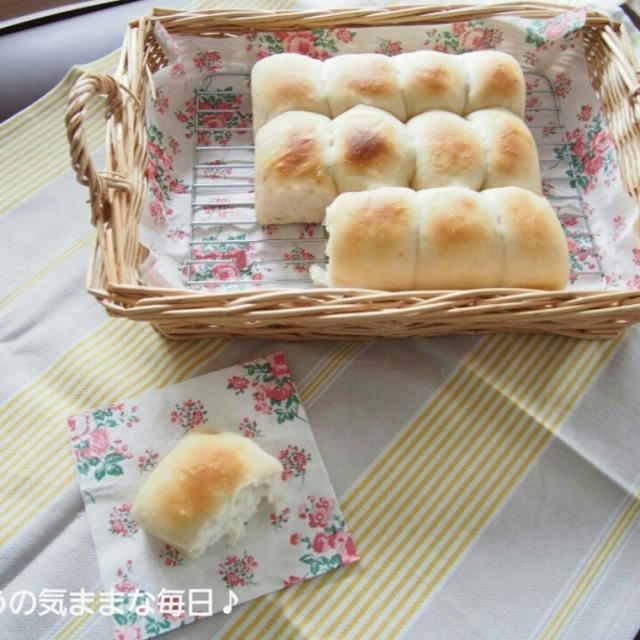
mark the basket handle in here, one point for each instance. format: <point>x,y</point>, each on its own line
<point>86,172</point>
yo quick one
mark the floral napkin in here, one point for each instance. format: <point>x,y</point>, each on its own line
<point>148,586</point>
<point>581,178</point>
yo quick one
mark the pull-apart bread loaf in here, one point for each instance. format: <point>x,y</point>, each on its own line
<point>303,160</point>
<point>404,85</point>
<point>489,148</point>
<point>206,488</point>
<point>444,238</point>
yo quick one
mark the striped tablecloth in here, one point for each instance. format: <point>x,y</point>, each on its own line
<point>490,483</point>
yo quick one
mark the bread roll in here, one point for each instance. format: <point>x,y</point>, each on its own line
<point>494,79</point>
<point>396,239</point>
<point>459,241</point>
<point>206,487</point>
<point>535,248</point>
<point>404,85</point>
<point>292,181</point>
<point>448,151</point>
<point>362,78</point>
<point>431,80</point>
<point>371,149</point>
<point>286,82</point>
<point>511,153</point>
<point>372,239</point>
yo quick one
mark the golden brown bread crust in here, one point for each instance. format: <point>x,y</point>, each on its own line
<point>435,80</point>
<point>286,82</point>
<point>448,151</point>
<point>431,80</point>
<point>362,78</point>
<point>299,156</point>
<point>364,146</point>
<point>371,149</point>
<point>460,243</point>
<point>511,153</point>
<point>199,487</point>
<point>513,145</point>
<point>404,85</point>
<point>370,77</point>
<point>503,237</point>
<point>536,254</point>
<point>293,183</point>
<point>494,79</point>
<point>373,239</point>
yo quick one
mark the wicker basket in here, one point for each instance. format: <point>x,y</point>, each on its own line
<point>116,196</point>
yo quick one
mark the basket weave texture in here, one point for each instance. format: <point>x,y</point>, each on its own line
<point>117,193</point>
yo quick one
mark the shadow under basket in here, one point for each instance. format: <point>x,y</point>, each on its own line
<point>117,195</point>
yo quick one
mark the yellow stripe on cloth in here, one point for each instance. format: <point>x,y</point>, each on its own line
<point>24,134</point>
<point>429,494</point>
<point>120,359</point>
<point>78,621</point>
<point>594,568</point>
<point>45,270</point>
<point>328,368</point>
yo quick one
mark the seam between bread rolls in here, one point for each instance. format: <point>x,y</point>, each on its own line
<point>418,237</point>
<point>491,205</point>
<point>467,84</point>
<point>485,149</point>
<point>322,81</point>
<point>331,151</point>
<point>396,73</point>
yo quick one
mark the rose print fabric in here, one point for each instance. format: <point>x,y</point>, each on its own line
<point>581,173</point>
<point>116,447</point>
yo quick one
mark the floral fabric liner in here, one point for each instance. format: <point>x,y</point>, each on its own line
<point>116,447</point>
<point>550,51</point>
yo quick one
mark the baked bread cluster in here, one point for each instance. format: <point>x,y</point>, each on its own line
<point>304,160</point>
<point>404,85</point>
<point>420,165</point>
<point>398,239</point>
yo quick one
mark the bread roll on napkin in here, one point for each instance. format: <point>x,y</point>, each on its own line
<point>206,488</point>
<point>445,238</point>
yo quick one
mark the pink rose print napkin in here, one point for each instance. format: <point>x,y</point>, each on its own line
<point>148,586</point>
